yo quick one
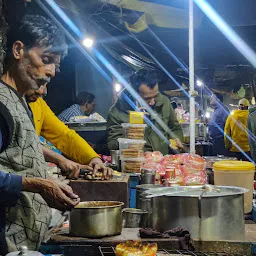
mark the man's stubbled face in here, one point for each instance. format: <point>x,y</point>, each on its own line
<point>32,95</point>
<point>36,67</point>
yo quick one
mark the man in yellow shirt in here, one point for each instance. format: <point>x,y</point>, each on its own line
<point>66,140</point>
<point>236,129</point>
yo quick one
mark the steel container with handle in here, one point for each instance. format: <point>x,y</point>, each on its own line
<point>209,213</point>
<point>96,219</point>
<point>141,189</point>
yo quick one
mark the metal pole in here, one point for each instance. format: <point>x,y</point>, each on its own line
<point>191,78</point>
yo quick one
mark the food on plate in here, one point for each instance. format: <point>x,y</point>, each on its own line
<point>155,156</point>
<point>97,117</point>
<point>135,248</point>
<point>87,119</point>
<point>80,119</point>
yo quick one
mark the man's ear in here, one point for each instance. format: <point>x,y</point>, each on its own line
<point>18,50</point>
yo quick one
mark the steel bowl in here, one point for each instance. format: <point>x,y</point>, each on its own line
<point>96,219</point>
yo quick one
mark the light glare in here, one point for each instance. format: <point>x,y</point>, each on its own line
<point>88,42</point>
<point>207,114</point>
<point>118,87</point>
<point>199,83</point>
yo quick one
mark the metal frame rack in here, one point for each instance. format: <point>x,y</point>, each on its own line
<point>110,251</point>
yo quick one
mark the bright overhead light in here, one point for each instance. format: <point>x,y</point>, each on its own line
<point>88,42</point>
<point>118,87</point>
<point>207,114</point>
<point>199,83</point>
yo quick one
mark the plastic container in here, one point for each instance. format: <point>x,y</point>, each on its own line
<point>131,148</point>
<point>132,165</point>
<point>237,174</point>
<point>134,131</point>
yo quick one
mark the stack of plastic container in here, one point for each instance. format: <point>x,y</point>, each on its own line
<point>132,147</point>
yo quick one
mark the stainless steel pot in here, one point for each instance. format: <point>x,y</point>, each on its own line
<point>134,218</point>
<point>209,215</point>
<point>141,189</point>
<point>96,219</point>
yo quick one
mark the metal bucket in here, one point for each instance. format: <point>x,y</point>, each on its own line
<point>142,188</point>
<point>134,218</point>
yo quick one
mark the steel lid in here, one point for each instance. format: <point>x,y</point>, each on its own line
<point>196,191</point>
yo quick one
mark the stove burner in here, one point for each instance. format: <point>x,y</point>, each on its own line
<point>110,251</point>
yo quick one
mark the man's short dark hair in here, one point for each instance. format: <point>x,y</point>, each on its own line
<point>36,30</point>
<point>84,97</point>
<point>150,78</point>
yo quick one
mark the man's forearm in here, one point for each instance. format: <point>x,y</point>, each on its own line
<point>51,156</point>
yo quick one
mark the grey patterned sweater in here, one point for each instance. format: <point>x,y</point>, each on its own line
<point>26,222</point>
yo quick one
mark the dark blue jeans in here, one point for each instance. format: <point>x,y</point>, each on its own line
<point>240,156</point>
<point>219,147</point>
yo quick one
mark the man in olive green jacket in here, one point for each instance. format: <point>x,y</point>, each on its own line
<point>146,84</point>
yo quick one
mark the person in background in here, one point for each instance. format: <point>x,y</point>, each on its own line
<point>145,83</point>
<point>85,106</point>
<point>236,129</point>
<point>217,124</point>
<point>252,129</point>
<point>34,49</point>
<point>66,140</point>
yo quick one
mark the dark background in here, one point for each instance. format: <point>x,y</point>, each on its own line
<point>212,49</point>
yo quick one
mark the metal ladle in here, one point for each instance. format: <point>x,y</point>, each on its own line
<point>205,188</point>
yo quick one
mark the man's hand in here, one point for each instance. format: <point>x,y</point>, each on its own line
<point>179,144</point>
<point>56,195</point>
<point>98,166</point>
<point>141,109</point>
<point>71,169</point>
<point>176,144</point>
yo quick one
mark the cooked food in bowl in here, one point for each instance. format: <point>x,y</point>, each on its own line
<point>98,204</point>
